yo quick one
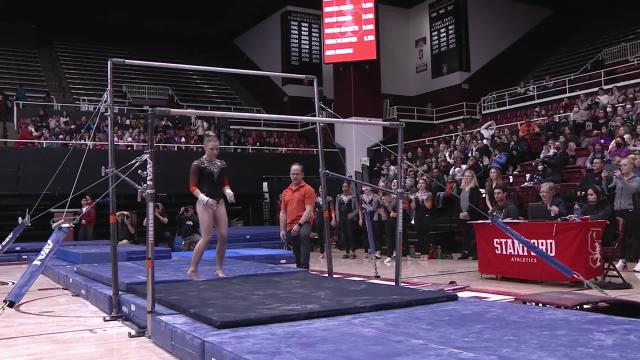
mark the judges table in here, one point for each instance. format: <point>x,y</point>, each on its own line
<point>574,243</point>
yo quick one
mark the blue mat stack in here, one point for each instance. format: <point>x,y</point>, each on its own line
<point>28,251</point>
<point>251,236</point>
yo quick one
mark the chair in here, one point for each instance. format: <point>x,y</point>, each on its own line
<point>612,253</point>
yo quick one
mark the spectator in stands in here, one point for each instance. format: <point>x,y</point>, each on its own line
<point>188,227</point>
<point>21,93</point>
<point>527,129</point>
<point>556,163</point>
<point>594,178</point>
<point>495,179</point>
<point>603,99</point>
<point>503,209</point>
<point>27,133</point>
<point>125,228</point>
<point>548,149</point>
<point>626,185</point>
<point>222,125</point>
<point>87,218</point>
<point>619,147</point>
<point>470,200</point>
<point>555,204</point>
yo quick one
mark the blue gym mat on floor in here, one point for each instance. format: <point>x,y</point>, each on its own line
<point>37,245</point>
<point>96,254</point>
<point>263,255</point>
<point>173,270</point>
<point>250,236</point>
<point>465,329</point>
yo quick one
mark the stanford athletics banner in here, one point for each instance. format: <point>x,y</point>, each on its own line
<point>574,243</point>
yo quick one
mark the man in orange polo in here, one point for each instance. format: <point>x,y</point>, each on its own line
<point>296,212</point>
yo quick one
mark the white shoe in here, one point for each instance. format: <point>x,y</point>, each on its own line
<point>387,260</point>
<point>637,267</point>
<point>621,264</point>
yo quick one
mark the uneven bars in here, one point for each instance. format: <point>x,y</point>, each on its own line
<point>211,69</point>
<point>291,118</point>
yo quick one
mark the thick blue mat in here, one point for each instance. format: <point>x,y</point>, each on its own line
<point>263,255</point>
<point>465,329</point>
<point>173,270</point>
<point>21,247</point>
<point>96,254</point>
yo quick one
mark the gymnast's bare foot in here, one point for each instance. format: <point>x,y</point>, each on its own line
<point>194,275</point>
<point>220,273</point>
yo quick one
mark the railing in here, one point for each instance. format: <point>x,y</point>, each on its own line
<point>569,86</point>
<point>622,52</point>
<point>431,139</point>
<point>434,116</point>
<point>142,146</point>
<point>146,91</point>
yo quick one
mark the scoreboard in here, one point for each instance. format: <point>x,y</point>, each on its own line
<point>349,30</point>
<point>449,37</point>
<point>301,45</point>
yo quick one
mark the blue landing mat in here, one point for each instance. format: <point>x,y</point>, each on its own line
<point>275,298</point>
<point>267,256</point>
<point>96,254</point>
<point>134,309</point>
<point>173,270</point>
<point>37,246</point>
<point>464,329</point>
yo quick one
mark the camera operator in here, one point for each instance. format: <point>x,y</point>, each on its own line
<point>126,230</point>
<point>161,232</point>
<point>188,226</point>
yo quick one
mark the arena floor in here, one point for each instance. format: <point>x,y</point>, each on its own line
<point>53,323</point>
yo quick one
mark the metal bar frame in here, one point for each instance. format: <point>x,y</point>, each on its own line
<point>150,191</point>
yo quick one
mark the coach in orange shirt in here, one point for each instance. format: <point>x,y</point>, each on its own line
<point>296,212</point>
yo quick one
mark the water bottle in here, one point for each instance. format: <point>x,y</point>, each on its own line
<point>576,212</point>
<point>439,252</point>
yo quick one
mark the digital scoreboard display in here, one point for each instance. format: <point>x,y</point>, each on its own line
<point>301,45</point>
<point>449,37</point>
<point>349,30</point>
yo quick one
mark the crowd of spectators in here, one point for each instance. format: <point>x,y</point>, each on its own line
<point>60,128</point>
<point>597,135</point>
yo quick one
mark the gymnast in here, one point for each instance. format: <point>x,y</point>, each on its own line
<point>208,182</point>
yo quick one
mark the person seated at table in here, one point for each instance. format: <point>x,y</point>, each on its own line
<point>598,207</point>
<point>555,204</point>
<point>504,209</point>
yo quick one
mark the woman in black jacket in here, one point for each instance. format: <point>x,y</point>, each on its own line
<point>469,202</point>
<point>599,208</point>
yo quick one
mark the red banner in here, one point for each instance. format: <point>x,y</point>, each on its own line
<point>574,243</point>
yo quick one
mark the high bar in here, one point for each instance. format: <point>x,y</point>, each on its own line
<point>210,69</point>
<point>291,118</point>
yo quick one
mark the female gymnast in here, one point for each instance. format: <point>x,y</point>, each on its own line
<point>208,182</point>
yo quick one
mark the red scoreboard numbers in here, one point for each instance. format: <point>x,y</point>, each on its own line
<point>349,30</point>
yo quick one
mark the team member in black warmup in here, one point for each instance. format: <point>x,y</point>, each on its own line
<point>369,202</point>
<point>347,210</point>
<point>208,182</point>
<point>319,219</point>
<point>390,215</point>
<point>421,204</point>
